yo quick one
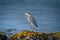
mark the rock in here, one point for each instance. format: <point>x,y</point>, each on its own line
<point>3,36</point>
<point>25,34</point>
<point>31,35</point>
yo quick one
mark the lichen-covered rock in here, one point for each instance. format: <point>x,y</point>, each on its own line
<point>57,34</point>
<point>25,34</point>
<point>30,35</point>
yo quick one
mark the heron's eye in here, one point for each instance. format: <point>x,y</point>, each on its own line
<point>28,13</point>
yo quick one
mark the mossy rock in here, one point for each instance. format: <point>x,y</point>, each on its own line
<point>25,33</point>
<point>3,36</point>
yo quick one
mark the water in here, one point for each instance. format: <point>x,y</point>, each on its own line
<point>46,13</point>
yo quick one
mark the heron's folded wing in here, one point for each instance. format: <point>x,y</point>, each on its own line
<point>32,20</point>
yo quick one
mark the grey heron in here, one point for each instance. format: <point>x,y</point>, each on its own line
<point>31,20</point>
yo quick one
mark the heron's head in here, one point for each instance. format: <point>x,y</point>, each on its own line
<point>27,14</point>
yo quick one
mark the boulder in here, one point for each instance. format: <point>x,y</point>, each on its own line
<point>3,36</point>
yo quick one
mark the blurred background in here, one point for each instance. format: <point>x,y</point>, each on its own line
<point>46,13</point>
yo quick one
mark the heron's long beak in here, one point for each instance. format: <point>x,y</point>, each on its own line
<point>27,14</point>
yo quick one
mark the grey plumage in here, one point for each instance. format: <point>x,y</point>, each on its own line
<point>31,20</point>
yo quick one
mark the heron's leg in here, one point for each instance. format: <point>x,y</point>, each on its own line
<point>33,28</point>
